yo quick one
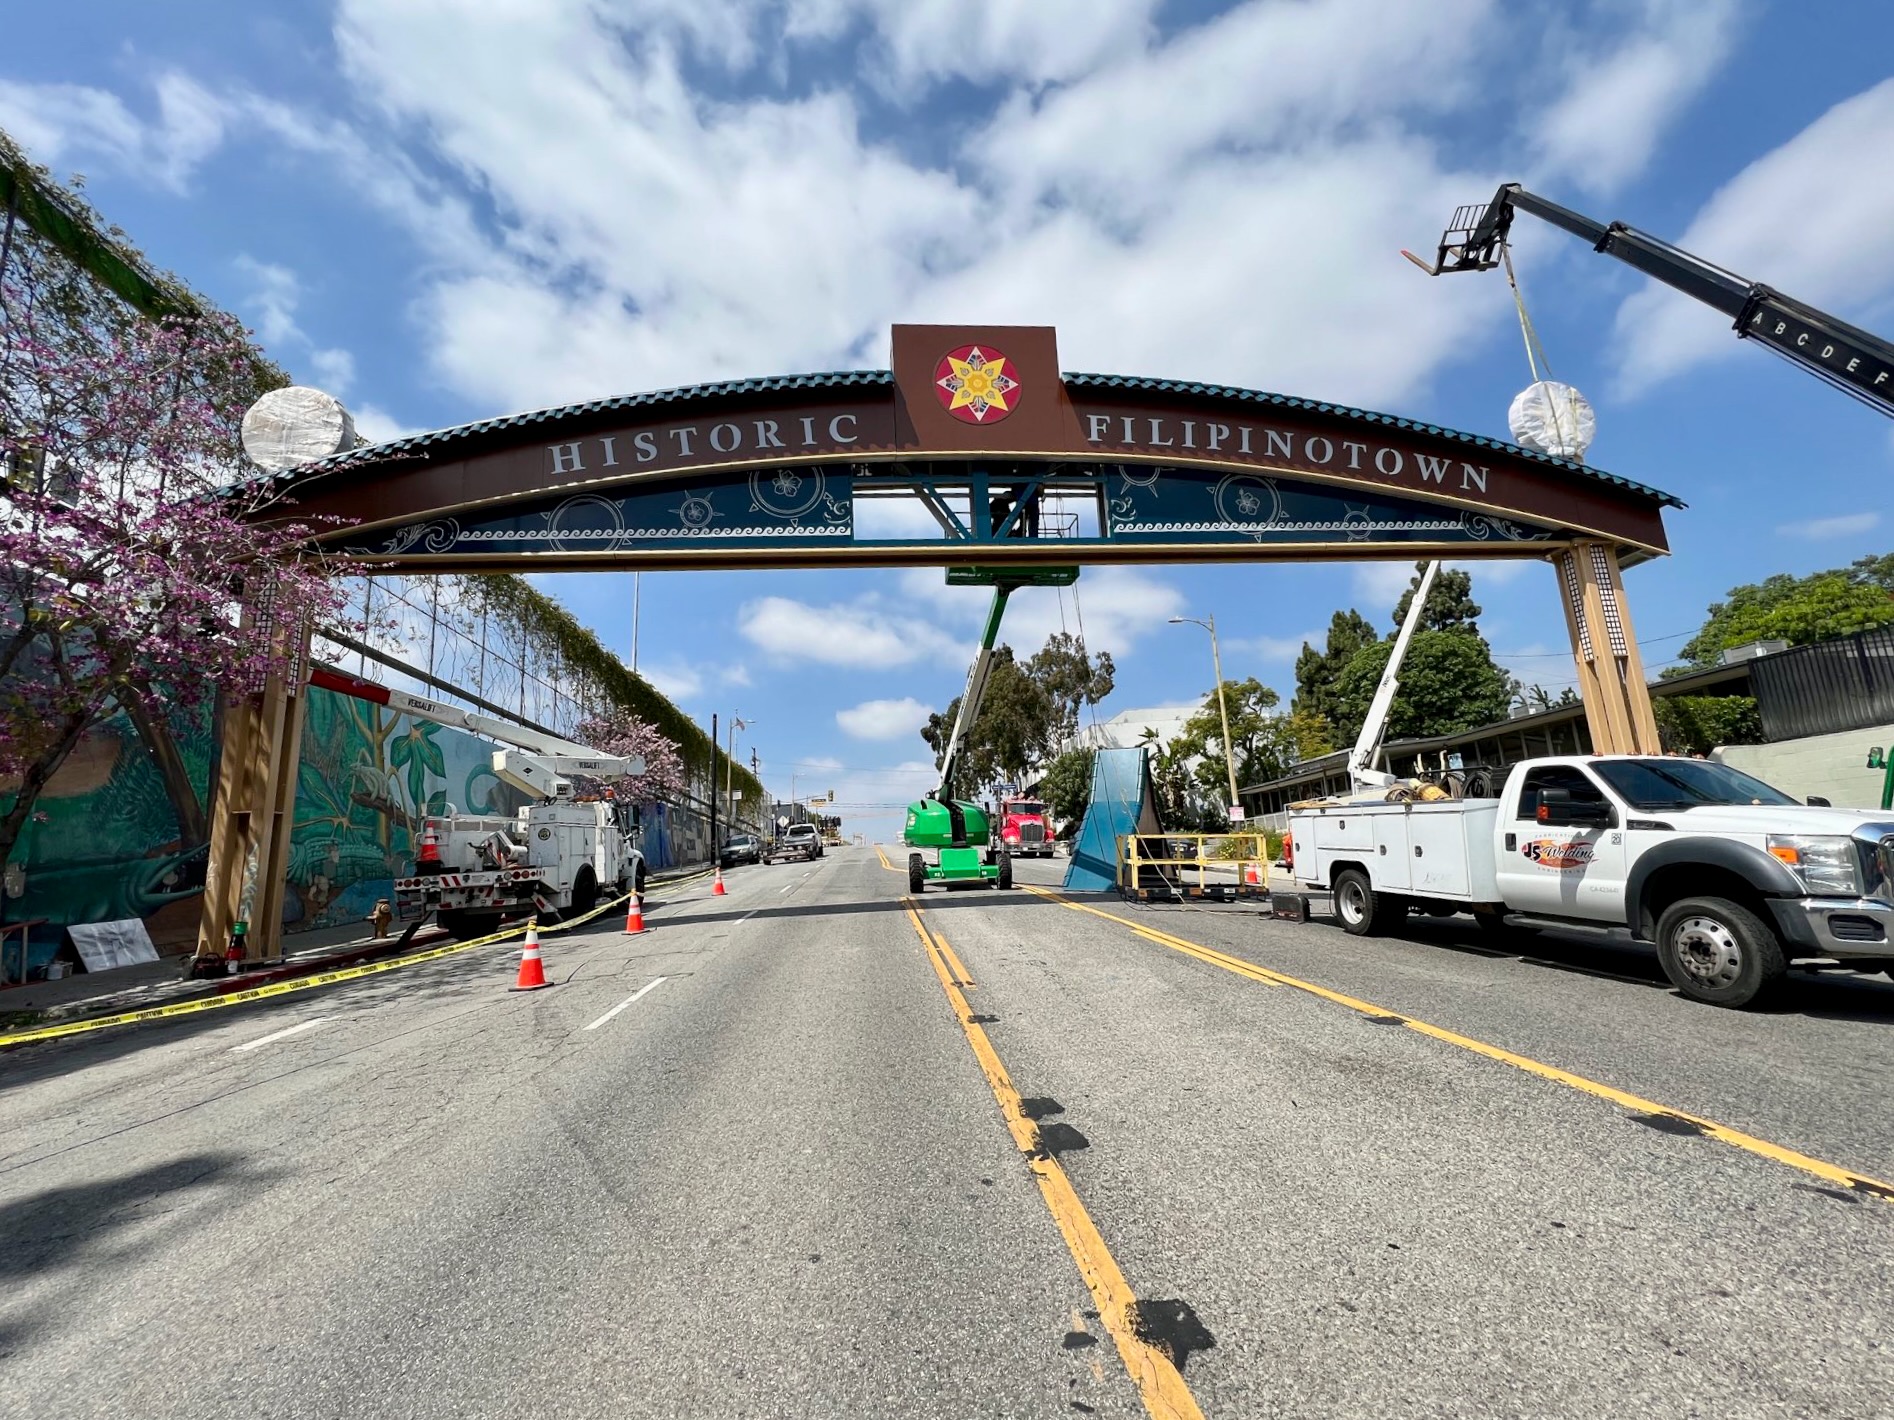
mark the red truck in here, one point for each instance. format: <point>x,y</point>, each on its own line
<point>1025,830</point>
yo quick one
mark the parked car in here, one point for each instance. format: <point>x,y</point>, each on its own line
<point>799,840</point>
<point>740,848</point>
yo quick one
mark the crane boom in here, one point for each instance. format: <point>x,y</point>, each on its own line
<point>1855,361</point>
<point>1361,773</point>
<point>971,697</point>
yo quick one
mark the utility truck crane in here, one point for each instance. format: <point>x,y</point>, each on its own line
<point>558,853</point>
<point>1851,359</point>
<point>959,829</point>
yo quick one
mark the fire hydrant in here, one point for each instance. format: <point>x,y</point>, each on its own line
<point>381,917</point>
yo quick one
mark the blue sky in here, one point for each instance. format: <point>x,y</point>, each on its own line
<point>442,210</point>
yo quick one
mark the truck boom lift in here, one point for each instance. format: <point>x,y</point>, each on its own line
<point>1362,774</point>
<point>1851,359</point>
<point>960,829</point>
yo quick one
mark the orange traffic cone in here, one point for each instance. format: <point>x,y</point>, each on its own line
<point>719,890</point>
<point>428,860</point>
<point>634,916</point>
<point>1253,877</point>
<point>532,970</point>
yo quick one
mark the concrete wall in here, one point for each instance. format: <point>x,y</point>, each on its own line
<point>1826,766</point>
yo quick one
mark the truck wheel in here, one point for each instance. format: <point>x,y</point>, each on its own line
<point>1718,951</point>
<point>1005,879</point>
<point>1354,902</point>
<point>464,926</point>
<point>584,890</point>
<point>1363,911</point>
<point>637,883</point>
<point>917,873</point>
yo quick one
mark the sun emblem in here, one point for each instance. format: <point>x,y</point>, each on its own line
<point>974,385</point>
<point>695,511</point>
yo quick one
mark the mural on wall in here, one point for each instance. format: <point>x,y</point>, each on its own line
<point>369,776</point>
<point>122,829</point>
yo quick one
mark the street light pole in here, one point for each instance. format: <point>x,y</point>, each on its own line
<point>730,766</point>
<point>1223,707</point>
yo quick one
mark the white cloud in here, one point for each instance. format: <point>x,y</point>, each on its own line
<point>71,123</point>
<point>378,426</point>
<point>736,674</point>
<point>1603,129</point>
<point>1842,525</point>
<point>883,719</point>
<point>1814,218</point>
<point>1379,585</point>
<point>673,681</point>
<point>1276,648</point>
<point>860,633</point>
<point>275,294</point>
<point>1114,607</point>
<point>1046,41</point>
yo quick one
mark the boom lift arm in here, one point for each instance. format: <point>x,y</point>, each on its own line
<point>971,697</point>
<point>1361,773</point>
<point>538,763</point>
<point>1851,359</point>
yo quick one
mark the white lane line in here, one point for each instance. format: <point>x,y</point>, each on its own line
<point>650,986</point>
<point>791,888</point>
<point>281,1034</point>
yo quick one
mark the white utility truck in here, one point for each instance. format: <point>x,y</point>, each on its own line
<point>1728,877</point>
<point>559,853</point>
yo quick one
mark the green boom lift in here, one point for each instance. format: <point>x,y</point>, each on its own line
<point>957,828</point>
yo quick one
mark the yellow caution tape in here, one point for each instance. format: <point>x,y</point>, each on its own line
<point>306,983</point>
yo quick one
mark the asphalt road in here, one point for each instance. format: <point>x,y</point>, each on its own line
<point>754,1163</point>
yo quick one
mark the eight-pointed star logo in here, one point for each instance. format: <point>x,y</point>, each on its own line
<point>974,386</point>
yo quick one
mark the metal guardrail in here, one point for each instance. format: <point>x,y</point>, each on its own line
<point>1175,867</point>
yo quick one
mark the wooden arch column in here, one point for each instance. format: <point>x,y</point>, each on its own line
<point>254,808</point>
<point>1605,648</point>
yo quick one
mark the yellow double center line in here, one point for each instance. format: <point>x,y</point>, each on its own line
<point>1159,1383</point>
<point>1709,1128</point>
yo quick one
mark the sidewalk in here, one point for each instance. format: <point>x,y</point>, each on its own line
<point>162,982</point>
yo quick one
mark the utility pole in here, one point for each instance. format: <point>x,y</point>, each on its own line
<point>1223,708</point>
<point>714,854</point>
<point>637,587</point>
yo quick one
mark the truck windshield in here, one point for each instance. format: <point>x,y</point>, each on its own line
<point>1025,806</point>
<point>1684,784</point>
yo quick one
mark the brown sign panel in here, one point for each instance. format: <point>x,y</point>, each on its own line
<point>980,389</point>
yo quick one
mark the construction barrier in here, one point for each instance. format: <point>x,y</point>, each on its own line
<point>1171,867</point>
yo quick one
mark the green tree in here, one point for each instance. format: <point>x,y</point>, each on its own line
<point>1011,734</point>
<point>1257,738</point>
<point>1450,605</point>
<point>1071,677</point>
<point>1796,609</point>
<point>1067,785</point>
<point>1533,698</point>
<point>1317,671</point>
<point>1179,804</point>
<point>1697,724</point>
<point>1448,684</point>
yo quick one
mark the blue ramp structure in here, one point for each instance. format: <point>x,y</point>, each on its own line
<point>1122,803</point>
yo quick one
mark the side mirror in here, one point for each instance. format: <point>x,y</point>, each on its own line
<point>1558,809</point>
<point>1816,801</point>
<point>1874,758</point>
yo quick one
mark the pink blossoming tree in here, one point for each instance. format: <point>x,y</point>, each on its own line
<point>621,733</point>
<point>131,574</point>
